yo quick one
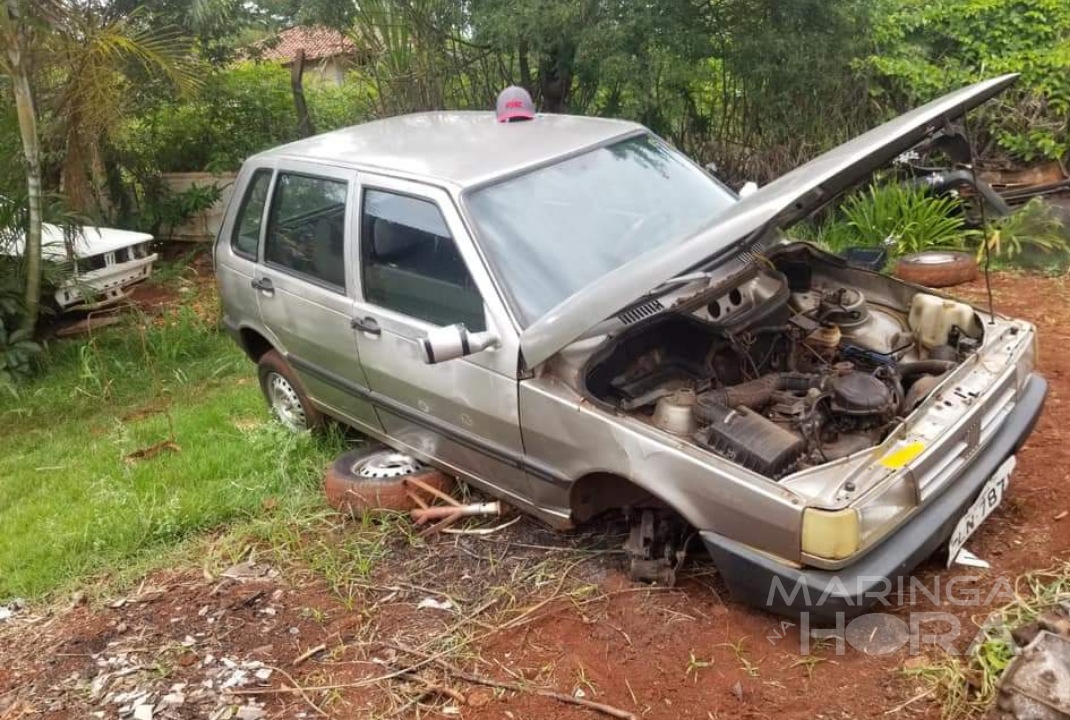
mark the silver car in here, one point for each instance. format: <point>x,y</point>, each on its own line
<point>572,316</point>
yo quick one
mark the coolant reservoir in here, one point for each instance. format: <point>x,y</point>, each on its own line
<point>931,319</point>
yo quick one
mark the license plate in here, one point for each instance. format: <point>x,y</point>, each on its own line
<point>989,499</point>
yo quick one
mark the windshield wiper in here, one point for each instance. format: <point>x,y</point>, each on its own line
<point>695,275</point>
<point>666,286</point>
<point>677,281</point>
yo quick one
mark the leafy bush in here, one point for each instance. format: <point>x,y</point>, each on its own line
<point>927,47</point>
<point>17,351</point>
<point>1025,235</point>
<point>239,110</point>
<point>336,106</point>
<point>163,209</point>
<point>903,219</point>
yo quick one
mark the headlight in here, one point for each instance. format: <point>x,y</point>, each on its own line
<point>831,534</point>
<point>834,535</point>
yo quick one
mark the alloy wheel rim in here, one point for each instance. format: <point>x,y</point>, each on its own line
<point>285,403</point>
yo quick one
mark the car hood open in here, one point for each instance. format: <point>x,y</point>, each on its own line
<point>782,202</point>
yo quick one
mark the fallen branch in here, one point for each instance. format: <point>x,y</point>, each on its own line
<point>482,531</point>
<point>434,492</point>
<point>147,453</point>
<point>301,691</point>
<point>899,708</point>
<point>339,686</point>
<point>307,654</point>
<point>416,498</point>
<point>552,694</point>
<point>456,672</point>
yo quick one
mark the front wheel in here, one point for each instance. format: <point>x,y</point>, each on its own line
<point>284,394</point>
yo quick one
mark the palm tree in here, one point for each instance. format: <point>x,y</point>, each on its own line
<point>100,59</point>
<point>16,30</point>
<point>88,56</point>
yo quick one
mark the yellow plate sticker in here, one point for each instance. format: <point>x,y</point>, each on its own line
<point>901,456</point>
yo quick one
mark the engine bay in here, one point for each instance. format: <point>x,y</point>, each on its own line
<point>786,369</point>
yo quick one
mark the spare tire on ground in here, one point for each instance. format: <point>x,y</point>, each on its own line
<point>937,268</point>
<point>373,478</point>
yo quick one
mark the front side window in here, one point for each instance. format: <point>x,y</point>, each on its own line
<point>306,228</point>
<point>411,263</point>
<point>246,234</point>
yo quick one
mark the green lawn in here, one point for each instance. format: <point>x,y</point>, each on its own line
<point>73,504</point>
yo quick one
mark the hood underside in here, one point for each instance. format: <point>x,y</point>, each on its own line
<point>782,202</point>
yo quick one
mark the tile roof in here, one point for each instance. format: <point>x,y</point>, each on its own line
<point>317,41</point>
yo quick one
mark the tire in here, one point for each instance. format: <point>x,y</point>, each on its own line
<point>286,397</point>
<point>373,478</point>
<point>937,268</point>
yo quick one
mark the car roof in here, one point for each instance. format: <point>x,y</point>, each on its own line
<point>458,148</point>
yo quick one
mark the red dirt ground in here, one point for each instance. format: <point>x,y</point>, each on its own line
<point>673,654</point>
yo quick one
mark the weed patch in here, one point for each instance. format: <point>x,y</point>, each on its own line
<point>79,494</point>
<point>966,685</point>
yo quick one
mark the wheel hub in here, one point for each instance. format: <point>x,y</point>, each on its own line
<point>386,464</point>
<point>934,258</point>
<point>285,402</point>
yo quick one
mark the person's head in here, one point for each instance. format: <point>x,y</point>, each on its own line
<point>514,103</point>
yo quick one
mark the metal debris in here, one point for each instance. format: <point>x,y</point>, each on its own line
<point>8,611</point>
<point>1036,685</point>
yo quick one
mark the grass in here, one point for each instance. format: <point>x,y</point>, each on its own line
<point>308,537</point>
<point>966,685</point>
<point>75,504</point>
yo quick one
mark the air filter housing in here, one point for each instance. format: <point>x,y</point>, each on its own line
<point>748,439</point>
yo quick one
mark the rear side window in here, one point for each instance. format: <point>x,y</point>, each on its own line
<point>250,215</point>
<point>306,230</point>
<point>411,263</point>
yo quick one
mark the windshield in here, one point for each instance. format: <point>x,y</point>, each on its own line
<point>550,232</point>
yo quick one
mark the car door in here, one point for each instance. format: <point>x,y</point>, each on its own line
<point>237,247</point>
<point>303,281</point>
<point>419,270</point>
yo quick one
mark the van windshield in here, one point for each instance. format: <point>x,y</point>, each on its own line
<point>550,232</point>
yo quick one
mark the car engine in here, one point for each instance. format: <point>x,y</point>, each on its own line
<point>784,371</point>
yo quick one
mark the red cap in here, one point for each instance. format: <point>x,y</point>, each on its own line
<point>514,103</point>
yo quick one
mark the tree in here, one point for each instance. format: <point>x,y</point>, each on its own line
<point>82,54</point>
<point>97,62</point>
<point>16,37</point>
<point>213,25</point>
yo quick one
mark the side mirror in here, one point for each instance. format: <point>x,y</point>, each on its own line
<point>454,341</point>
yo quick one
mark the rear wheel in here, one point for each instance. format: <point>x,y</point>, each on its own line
<point>284,394</point>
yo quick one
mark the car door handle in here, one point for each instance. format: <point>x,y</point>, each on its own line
<point>367,324</point>
<point>264,285</point>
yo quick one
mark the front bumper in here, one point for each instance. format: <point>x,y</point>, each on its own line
<point>762,581</point>
<point>105,287</point>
